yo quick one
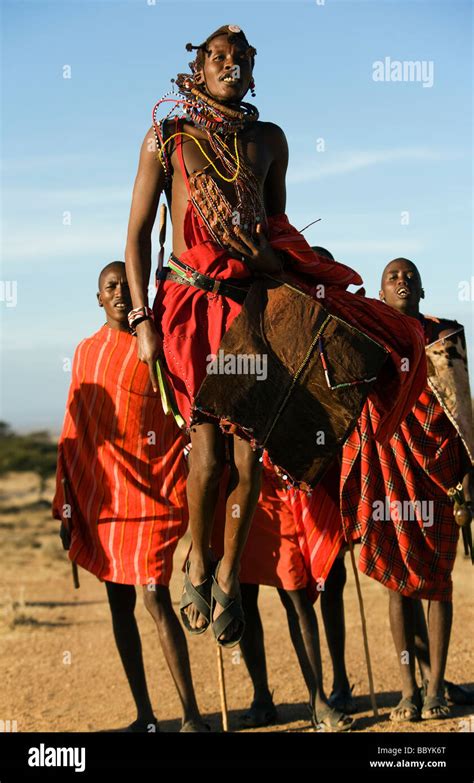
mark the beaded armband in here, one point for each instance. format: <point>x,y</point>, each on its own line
<point>137,315</point>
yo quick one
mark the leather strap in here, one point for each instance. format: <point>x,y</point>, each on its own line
<point>187,276</point>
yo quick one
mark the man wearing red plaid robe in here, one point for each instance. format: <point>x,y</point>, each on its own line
<point>395,502</point>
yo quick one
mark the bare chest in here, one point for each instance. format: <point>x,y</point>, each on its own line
<point>197,154</point>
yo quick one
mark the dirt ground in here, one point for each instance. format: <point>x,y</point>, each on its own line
<point>61,670</point>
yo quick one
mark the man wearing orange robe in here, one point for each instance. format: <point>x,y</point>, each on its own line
<point>121,493</point>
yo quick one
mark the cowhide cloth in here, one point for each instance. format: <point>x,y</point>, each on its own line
<point>449,379</point>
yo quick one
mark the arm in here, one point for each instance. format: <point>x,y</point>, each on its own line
<point>149,184</point>
<point>274,190</point>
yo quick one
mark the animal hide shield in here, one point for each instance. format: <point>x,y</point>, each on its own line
<point>270,383</point>
<point>449,379</point>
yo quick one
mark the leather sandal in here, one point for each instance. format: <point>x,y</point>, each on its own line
<point>200,597</point>
<point>232,611</point>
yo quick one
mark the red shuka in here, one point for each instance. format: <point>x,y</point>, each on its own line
<point>193,322</point>
<point>123,461</point>
<point>394,499</point>
<point>294,537</point>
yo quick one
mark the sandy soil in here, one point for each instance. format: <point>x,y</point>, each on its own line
<point>61,670</point>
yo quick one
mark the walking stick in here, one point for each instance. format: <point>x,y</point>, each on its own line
<point>75,573</point>
<point>364,630</point>
<point>220,674</point>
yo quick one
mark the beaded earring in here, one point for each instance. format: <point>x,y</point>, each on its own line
<point>252,88</point>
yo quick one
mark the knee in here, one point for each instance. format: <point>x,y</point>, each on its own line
<point>157,600</point>
<point>399,600</point>
<point>207,466</point>
<point>249,599</point>
<point>122,598</point>
<point>248,466</point>
<point>295,602</point>
<point>336,579</point>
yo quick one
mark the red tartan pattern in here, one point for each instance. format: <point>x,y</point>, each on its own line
<point>420,463</point>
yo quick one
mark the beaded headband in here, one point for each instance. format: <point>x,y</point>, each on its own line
<point>233,33</point>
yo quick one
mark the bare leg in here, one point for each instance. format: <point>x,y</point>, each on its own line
<point>122,600</point>
<point>402,624</point>
<point>242,498</point>
<point>173,644</point>
<point>202,488</point>
<point>422,648</point>
<point>332,610</point>
<point>457,694</point>
<point>252,645</point>
<point>440,616</point>
<point>304,633</point>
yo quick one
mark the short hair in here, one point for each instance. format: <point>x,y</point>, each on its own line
<point>107,269</point>
<point>401,259</point>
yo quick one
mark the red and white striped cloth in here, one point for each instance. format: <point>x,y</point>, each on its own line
<point>124,465</point>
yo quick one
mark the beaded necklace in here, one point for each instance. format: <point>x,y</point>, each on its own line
<point>219,121</point>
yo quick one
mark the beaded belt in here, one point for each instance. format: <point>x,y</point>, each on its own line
<point>177,272</point>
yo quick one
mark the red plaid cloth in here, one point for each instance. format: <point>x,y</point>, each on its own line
<point>410,549</point>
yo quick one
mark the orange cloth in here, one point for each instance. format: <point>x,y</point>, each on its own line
<point>319,527</point>
<point>294,538</point>
<point>124,465</point>
<point>272,555</point>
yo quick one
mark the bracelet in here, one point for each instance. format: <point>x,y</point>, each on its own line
<point>137,313</point>
<point>139,320</point>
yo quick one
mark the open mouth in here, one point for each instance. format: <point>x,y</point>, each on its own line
<point>403,292</point>
<point>230,80</point>
<point>120,305</point>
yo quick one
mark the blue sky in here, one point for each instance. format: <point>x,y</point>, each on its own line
<point>361,152</point>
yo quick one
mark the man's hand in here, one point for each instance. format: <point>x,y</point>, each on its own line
<point>258,254</point>
<point>150,348</point>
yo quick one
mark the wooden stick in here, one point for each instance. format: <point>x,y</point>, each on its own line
<point>75,572</point>
<point>75,575</point>
<point>364,630</point>
<point>309,224</point>
<point>220,674</point>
